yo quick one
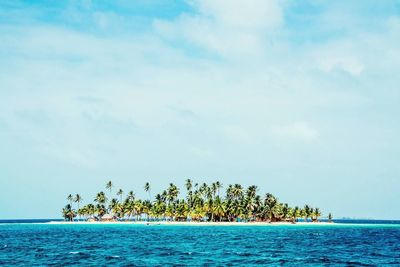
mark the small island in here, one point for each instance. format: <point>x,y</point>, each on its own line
<point>203,204</point>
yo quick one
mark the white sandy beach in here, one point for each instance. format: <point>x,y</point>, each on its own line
<point>197,223</point>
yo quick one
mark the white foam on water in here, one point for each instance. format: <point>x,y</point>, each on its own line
<point>73,252</point>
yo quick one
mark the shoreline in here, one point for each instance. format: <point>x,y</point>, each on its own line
<point>208,224</point>
<point>193,223</point>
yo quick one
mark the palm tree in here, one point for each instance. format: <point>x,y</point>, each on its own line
<point>109,186</point>
<point>119,210</point>
<point>271,206</point>
<point>169,211</point>
<point>101,198</point>
<point>181,210</point>
<point>146,207</point>
<point>173,192</point>
<point>285,211</point>
<point>189,197</point>
<point>250,207</point>
<point>237,191</point>
<point>119,193</point>
<point>113,204</point>
<point>219,186</point>
<point>131,196</point>
<point>197,214</point>
<point>229,192</point>
<point>100,210</point>
<point>129,207</point>
<point>78,199</point>
<point>295,214</point>
<point>213,189</point>
<point>82,212</point>
<point>138,208</point>
<point>68,213</point>
<point>330,217</point>
<point>307,210</point>
<point>203,203</point>
<point>147,189</point>
<point>317,213</point>
<point>218,208</point>
<point>70,198</point>
<point>91,210</point>
<point>188,185</point>
<point>203,189</point>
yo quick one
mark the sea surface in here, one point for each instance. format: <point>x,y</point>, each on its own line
<point>340,244</point>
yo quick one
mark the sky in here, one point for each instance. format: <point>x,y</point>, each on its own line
<point>298,97</point>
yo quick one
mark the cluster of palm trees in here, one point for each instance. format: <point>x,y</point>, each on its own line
<point>202,203</point>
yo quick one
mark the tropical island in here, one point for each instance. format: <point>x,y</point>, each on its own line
<point>203,203</point>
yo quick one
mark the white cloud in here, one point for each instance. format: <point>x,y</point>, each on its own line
<point>239,135</point>
<point>347,64</point>
<point>234,29</point>
<point>124,101</point>
<point>297,130</point>
<point>203,153</point>
<point>342,55</point>
<point>249,14</point>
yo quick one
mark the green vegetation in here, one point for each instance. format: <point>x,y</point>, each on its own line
<point>202,203</point>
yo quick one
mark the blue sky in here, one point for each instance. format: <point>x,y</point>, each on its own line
<point>298,97</point>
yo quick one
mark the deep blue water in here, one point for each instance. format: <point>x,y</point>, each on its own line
<point>140,245</point>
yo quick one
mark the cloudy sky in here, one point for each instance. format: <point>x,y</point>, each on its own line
<point>302,99</point>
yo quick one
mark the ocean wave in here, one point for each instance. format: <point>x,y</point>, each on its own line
<point>41,245</point>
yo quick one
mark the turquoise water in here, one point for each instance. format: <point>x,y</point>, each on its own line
<point>141,245</point>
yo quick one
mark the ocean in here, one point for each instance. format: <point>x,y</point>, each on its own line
<point>37,244</point>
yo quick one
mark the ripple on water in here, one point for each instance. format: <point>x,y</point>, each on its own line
<point>133,245</point>
<point>113,257</point>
